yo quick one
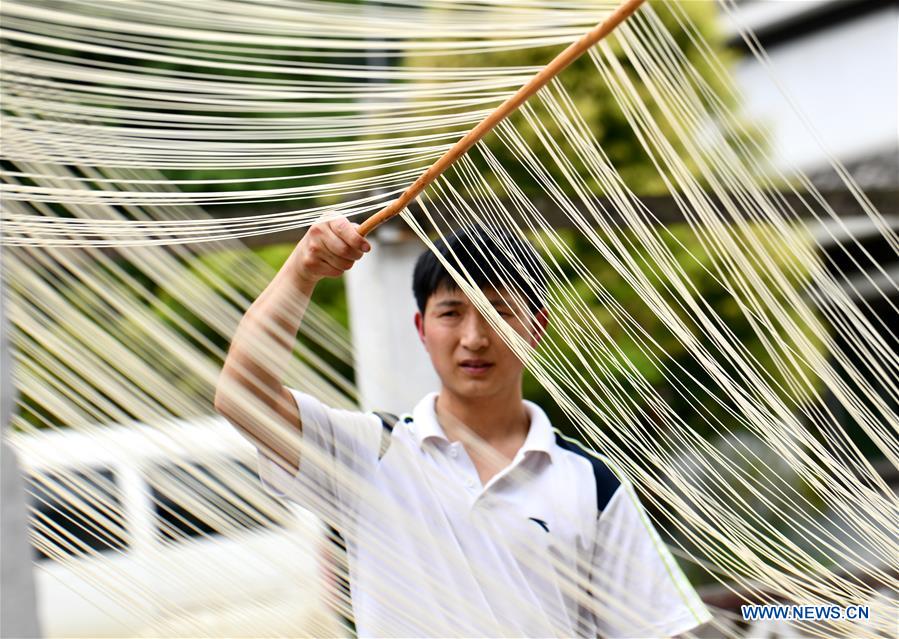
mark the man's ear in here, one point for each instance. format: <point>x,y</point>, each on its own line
<point>538,330</point>
<point>420,326</point>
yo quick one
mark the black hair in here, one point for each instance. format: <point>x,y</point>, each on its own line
<point>491,256</point>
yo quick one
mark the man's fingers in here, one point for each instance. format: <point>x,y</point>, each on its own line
<point>334,244</point>
<point>353,244</point>
<point>336,262</point>
<point>348,233</point>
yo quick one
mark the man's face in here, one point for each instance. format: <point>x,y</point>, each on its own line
<point>470,358</point>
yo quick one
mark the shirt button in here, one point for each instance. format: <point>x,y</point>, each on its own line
<point>454,452</point>
<point>470,484</point>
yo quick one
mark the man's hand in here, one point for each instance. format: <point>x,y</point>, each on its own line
<point>328,249</point>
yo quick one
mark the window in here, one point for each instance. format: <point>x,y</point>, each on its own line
<point>75,513</point>
<point>194,500</point>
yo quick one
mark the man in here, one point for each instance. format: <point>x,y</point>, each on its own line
<point>472,517</point>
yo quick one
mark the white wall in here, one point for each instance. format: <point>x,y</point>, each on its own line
<point>843,78</point>
<point>393,370</point>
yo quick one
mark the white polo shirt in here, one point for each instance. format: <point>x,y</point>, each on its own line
<point>432,552</point>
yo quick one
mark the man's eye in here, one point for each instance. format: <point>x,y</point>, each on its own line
<point>448,314</point>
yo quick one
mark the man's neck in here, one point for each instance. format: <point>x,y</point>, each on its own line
<point>494,419</point>
<point>491,429</point>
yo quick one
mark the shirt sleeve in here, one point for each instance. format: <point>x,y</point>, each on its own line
<point>338,452</point>
<point>639,588</point>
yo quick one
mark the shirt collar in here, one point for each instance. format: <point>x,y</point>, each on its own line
<point>540,437</point>
<point>424,420</point>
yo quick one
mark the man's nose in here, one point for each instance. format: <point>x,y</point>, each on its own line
<point>475,332</point>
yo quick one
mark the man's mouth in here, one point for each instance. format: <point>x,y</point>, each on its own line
<point>475,366</point>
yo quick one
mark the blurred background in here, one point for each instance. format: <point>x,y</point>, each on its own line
<point>825,90</point>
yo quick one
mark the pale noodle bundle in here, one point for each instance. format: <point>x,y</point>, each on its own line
<point>93,222</point>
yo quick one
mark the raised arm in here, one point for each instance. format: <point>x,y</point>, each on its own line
<point>250,392</point>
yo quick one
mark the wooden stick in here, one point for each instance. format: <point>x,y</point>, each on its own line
<point>569,55</point>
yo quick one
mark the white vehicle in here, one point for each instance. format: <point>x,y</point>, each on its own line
<point>145,531</point>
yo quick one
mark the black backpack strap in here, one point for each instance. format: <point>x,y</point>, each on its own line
<point>388,421</point>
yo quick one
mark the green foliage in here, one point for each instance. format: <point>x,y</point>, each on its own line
<point>596,104</point>
<point>663,359</point>
<point>223,273</point>
<point>670,366</point>
<point>170,314</point>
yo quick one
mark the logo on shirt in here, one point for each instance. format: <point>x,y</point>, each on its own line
<point>540,523</point>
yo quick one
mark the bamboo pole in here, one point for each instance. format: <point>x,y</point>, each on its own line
<point>551,70</point>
